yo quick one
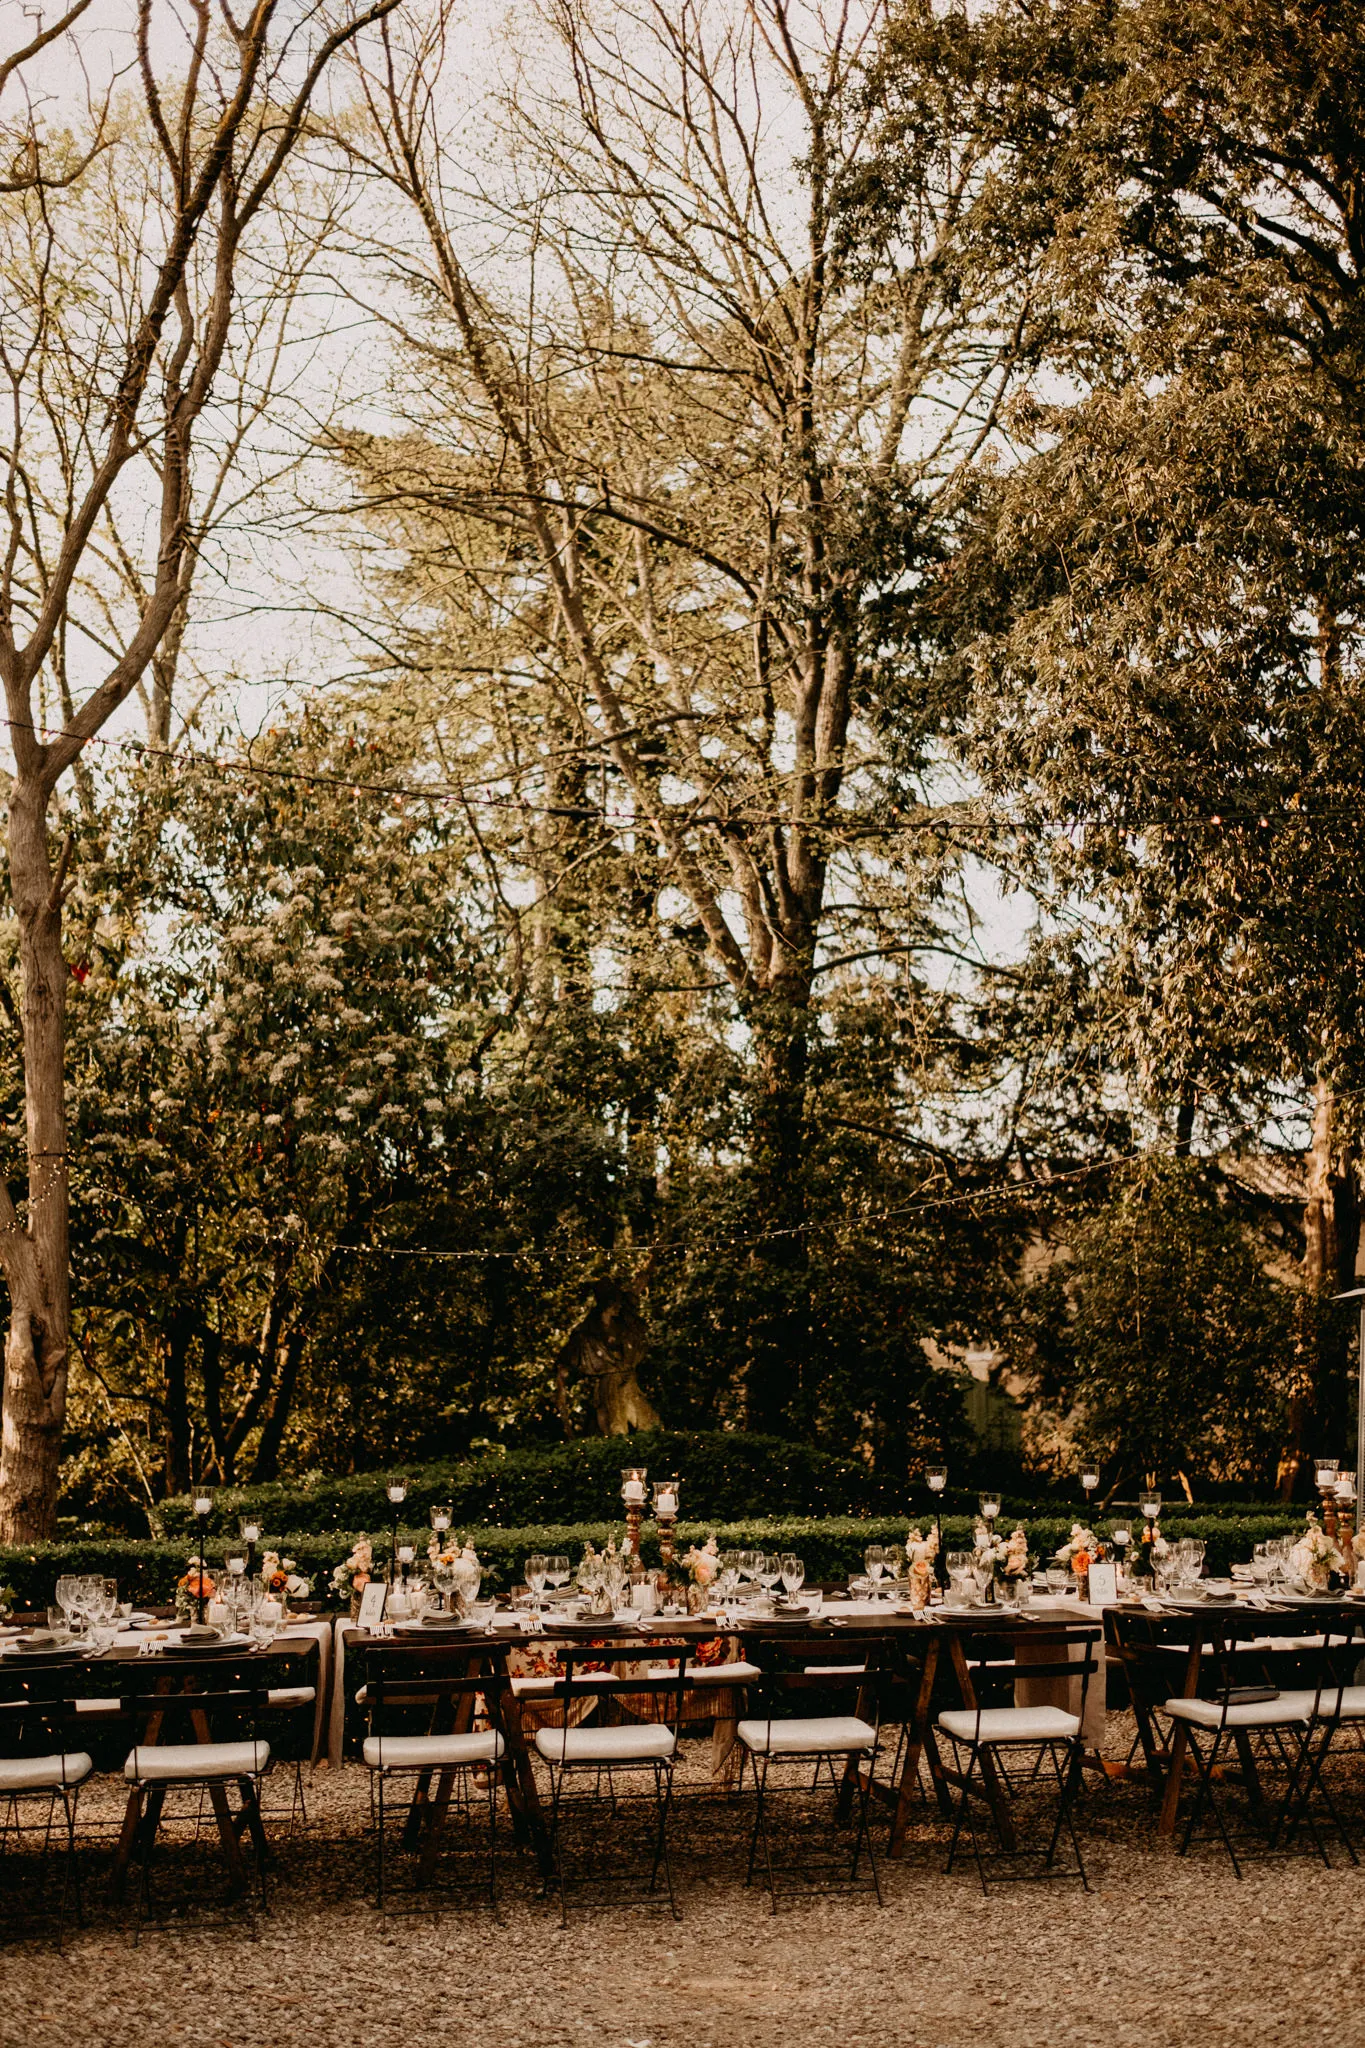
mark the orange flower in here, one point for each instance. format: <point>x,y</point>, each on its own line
<point>1080,1562</point>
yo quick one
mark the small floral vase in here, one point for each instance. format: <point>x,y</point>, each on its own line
<point>696,1598</point>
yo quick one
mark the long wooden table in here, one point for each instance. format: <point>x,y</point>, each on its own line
<point>1196,1631</point>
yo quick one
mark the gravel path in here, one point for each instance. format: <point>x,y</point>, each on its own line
<point>1165,1951</point>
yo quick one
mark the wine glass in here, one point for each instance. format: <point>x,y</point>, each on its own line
<point>962,1576</point>
<point>769,1571</point>
<point>874,1563</point>
<point>557,1571</point>
<point>793,1574</point>
<point>536,1567</point>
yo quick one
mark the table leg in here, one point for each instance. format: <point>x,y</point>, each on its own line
<point>915,1740</point>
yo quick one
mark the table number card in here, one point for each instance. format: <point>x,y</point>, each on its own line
<point>1104,1585</point>
<point>372,1604</point>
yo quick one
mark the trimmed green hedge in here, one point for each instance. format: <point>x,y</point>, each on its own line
<point>725,1474</point>
<point>830,1546</point>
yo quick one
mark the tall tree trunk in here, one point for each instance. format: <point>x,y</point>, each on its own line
<point>778,1390</point>
<point>177,1426</point>
<point>35,1257</point>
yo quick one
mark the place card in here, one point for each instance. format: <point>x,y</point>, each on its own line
<point>372,1604</point>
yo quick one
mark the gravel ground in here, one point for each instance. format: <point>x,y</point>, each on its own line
<point>1164,1951</point>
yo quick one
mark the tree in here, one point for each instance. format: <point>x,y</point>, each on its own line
<point>1179,1335</point>
<point>685,440</point>
<point>143,336</point>
<point>1165,598</point>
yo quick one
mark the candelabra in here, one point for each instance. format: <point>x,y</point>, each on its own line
<point>203,1508</point>
<point>251,1535</point>
<point>397,1491</point>
<point>1346,1516</point>
<point>1090,1479</point>
<point>633,1494</point>
<point>937,1479</point>
<point>1325,1471</point>
<point>666,1515</point>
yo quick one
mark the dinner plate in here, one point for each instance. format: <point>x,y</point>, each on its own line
<point>64,1653</point>
<point>458,1626</point>
<point>594,1625</point>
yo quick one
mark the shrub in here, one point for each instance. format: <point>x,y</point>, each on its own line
<point>724,1474</point>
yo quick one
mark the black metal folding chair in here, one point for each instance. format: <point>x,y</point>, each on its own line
<point>422,1701</point>
<point>198,1740</point>
<point>620,1745</point>
<point>40,1765</point>
<point>988,1732</point>
<point>797,1675</point>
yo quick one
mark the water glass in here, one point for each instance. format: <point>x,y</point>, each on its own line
<point>874,1562</point>
<point>793,1573</point>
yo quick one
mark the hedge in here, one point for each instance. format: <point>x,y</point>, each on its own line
<point>830,1546</point>
<point>725,1474</point>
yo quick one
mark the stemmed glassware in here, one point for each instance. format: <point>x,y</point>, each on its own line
<point>536,1567</point>
<point>557,1571</point>
<point>874,1564</point>
<point>793,1574</point>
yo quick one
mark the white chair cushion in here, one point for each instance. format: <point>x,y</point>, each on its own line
<point>100,1710</point>
<point>835,1670</point>
<point>1009,1724</point>
<point>428,1752</point>
<point>44,1773</point>
<point>636,1743</point>
<point>822,1733</point>
<point>737,1673</point>
<point>157,1763</point>
<point>1282,1712</point>
<point>291,1696</point>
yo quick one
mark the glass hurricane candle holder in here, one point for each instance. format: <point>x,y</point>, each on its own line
<point>990,1506</point>
<point>666,1499</point>
<point>936,1478</point>
<point>633,1485</point>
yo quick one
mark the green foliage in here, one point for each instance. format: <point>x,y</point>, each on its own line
<point>723,1474</point>
<point>1174,1342</point>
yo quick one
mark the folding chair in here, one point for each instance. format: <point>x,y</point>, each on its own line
<point>224,1749</point>
<point>620,1747</point>
<point>1266,1728</point>
<point>779,1733</point>
<point>988,1733</point>
<point>39,1762</point>
<point>421,1702</point>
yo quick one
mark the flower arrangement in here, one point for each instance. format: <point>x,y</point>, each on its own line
<point>703,1565</point>
<point>353,1574</point>
<point>197,1579</point>
<point>920,1552</point>
<point>1006,1557</point>
<point>1315,1557</point>
<point>1079,1551</point>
